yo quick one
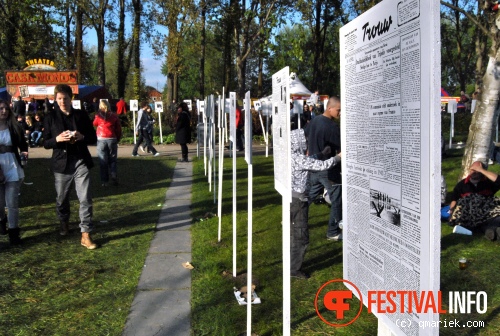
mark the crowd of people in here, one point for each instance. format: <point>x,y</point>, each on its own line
<point>68,132</point>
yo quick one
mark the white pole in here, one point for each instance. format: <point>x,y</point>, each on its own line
<point>221,167</point>
<point>161,133</point>
<point>249,261</point>
<point>234,207</point>
<point>267,136</point>
<point>286,266</point>
<point>133,120</point>
<point>452,127</point>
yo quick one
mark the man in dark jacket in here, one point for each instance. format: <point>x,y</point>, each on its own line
<point>68,132</point>
<point>183,130</point>
<point>19,107</point>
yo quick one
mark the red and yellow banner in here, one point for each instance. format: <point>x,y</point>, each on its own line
<point>41,77</point>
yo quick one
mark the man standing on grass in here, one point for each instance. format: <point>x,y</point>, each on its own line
<point>323,131</point>
<point>68,132</point>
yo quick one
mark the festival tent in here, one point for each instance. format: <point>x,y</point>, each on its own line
<point>296,86</point>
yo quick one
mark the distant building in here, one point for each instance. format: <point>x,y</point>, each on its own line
<point>154,95</point>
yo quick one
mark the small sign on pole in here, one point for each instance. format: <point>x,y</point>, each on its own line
<point>77,105</point>
<point>134,107</point>
<point>159,109</point>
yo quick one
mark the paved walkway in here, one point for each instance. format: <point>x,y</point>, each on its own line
<point>162,303</point>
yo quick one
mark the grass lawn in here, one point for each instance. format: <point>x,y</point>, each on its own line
<point>214,308</point>
<point>54,286</point>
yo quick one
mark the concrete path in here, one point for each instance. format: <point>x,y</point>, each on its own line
<point>162,303</point>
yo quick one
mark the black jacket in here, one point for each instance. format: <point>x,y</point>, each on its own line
<point>54,125</point>
<point>183,128</point>
<point>19,107</point>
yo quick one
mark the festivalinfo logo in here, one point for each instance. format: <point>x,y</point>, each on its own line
<point>337,306</point>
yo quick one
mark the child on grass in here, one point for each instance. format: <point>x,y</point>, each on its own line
<point>299,208</point>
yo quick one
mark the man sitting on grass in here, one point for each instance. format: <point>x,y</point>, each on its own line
<point>473,204</point>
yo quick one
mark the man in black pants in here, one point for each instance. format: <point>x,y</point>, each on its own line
<point>323,131</point>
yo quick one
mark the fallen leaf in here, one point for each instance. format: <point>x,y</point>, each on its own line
<point>187,265</point>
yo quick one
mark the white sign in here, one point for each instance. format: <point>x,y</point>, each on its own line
<point>256,105</point>
<point>452,106</point>
<point>390,80</point>
<point>201,107</point>
<point>232,117</point>
<point>248,128</point>
<point>77,105</point>
<point>281,132</point>
<point>134,105</point>
<point>188,102</point>
<point>158,106</point>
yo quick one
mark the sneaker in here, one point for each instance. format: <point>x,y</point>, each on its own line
<point>490,162</point>
<point>335,238</point>
<point>341,224</point>
<point>300,275</point>
<point>64,228</point>
<point>135,154</point>
<point>156,154</point>
<point>142,149</point>
<point>490,234</point>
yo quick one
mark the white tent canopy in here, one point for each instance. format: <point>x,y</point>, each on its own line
<point>296,86</point>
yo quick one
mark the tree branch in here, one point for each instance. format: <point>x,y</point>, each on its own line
<point>468,15</point>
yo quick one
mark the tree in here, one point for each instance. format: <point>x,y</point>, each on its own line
<point>97,16</point>
<point>479,142</point>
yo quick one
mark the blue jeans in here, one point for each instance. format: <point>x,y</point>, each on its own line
<point>107,151</point>
<point>9,197</point>
<point>318,181</point>
<point>78,172</point>
<point>35,136</point>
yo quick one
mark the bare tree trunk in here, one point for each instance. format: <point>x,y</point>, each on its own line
<point>79,39</point>
<point>120,68</point>
<point>136,32</point>
<point>483,122</point>
<point>203,42</point>
<point>69,53</point>
<point>260,75</point>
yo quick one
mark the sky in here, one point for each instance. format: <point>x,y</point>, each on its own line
<point>151,66</point>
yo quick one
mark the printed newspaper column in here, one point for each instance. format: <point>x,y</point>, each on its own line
<point>282,174</point>
<point>248,159</point>
<point>390,126</point>
<point>134,107</point>
<point>159,109</point>
<point>232,138</point>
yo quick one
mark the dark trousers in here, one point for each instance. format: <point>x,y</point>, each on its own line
<point>184,150</point>
<point>144,135</point>
<point>320,181</point>
<point>299,233</point>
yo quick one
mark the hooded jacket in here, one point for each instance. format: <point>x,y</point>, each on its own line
<point>302,164</point>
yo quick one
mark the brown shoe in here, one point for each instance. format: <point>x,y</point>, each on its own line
<point>87,242</point>
<point>64,230</point>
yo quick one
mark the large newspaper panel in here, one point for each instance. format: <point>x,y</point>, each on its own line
<point>281,132</point>
<point>390,81</point>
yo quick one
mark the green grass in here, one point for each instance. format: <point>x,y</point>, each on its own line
<point>214,308</point>
<point>52,285</point>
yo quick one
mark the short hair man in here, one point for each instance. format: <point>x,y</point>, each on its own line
<point>324,131</point>
<point>68,132</point>
<point>19,107</point>
<point>479,186</point>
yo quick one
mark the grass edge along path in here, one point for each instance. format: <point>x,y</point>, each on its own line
<point>214,308</point>
<point>53,286</point>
